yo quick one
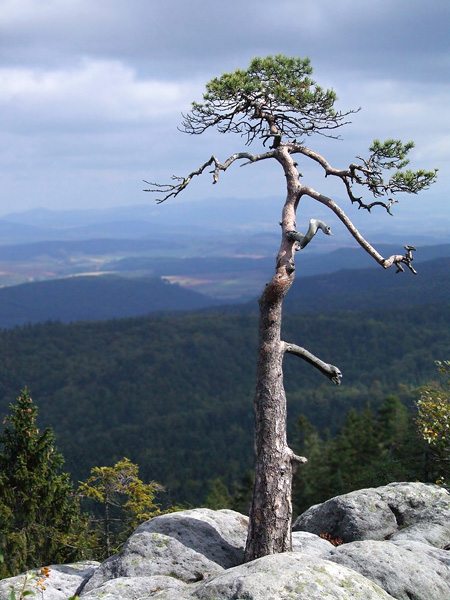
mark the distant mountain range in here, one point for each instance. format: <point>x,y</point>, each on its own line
<point>368,288</point>
<point>229,262</point>
<point>212,220</point>
<point>237,276</point>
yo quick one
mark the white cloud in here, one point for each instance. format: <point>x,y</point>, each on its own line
<point>95,91</point>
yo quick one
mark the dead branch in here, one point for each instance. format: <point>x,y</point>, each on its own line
<point>296,458</point>
<point>304,239</point>
<point>172,190</point>
<point>330,371</point>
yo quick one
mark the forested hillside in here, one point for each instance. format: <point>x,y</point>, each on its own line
<point>174,394</point>
<point>94,298</point>
<point>369,288</point>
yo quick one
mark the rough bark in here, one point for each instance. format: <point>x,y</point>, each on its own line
<point>271,510</point>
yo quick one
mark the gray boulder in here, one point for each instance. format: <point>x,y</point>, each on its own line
<point>289,576</point>
<point>406,570</point>
<point>401,509</point>
<point>196,544</point>
<point>310,543</point>
<point>146,554</point>
<point>198,555</point>
<point>220,535</point>
<point>433,534</point>
<point>63,582</point>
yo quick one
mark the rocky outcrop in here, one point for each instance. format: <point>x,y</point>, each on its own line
<point>409,511</point>
<point>130,588</point>
<point>219,535</point>
<point>394,538</point>
<point>293,576</point>
<point>190,545</point>
<point>309,543</point>
<point>403,569</point>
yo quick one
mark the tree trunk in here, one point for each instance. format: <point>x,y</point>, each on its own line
<point>107,530</point>
<point>271,510</point>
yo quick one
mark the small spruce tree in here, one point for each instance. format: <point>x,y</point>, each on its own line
<point>218,495</point>
<point>40,519</point>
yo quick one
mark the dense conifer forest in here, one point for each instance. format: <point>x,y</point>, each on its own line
<point>174,393</point>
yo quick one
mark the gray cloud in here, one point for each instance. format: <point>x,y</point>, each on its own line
<point>91,90</point>
<point>172,36</point>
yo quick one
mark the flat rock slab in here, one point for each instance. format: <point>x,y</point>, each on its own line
<point>289,576</point>
<point>63,582</point>
<point>405,510</point>
<point>406,570</point>
<point>130,588</point>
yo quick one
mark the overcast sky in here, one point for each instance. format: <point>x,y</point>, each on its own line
<point>91,92</point>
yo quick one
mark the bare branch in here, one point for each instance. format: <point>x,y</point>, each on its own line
<point>295,458</point>
<point>330,371</point>
<point>396,259</point>
<point>172,190</point>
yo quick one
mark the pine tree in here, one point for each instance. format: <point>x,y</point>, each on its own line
<point>40,519</point>
<point>357,447</point>
<point>366,452</point>
<point>242,496</point>
<point>277,104</point>
<point>320,478</point>
<point>127,502</point>
<point>218,496</point>
<point>403,452</point>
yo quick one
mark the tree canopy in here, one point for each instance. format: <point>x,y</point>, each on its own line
<point>274,98</point>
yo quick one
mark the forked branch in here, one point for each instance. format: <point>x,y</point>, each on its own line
<point>173,189</point>
<point>330,371</point>
<point>370,173</point>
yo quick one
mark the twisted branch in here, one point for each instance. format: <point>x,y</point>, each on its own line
<point>395,259</point>
<point>304,239</point>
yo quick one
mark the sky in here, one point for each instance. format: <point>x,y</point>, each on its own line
<point>92,91</point>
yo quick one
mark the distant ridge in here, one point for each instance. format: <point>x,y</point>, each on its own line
<point>93,298</point>
<point>361,289</point>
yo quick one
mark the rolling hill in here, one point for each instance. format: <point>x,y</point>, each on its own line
<point>361,289</point>
<point>93,298</point>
